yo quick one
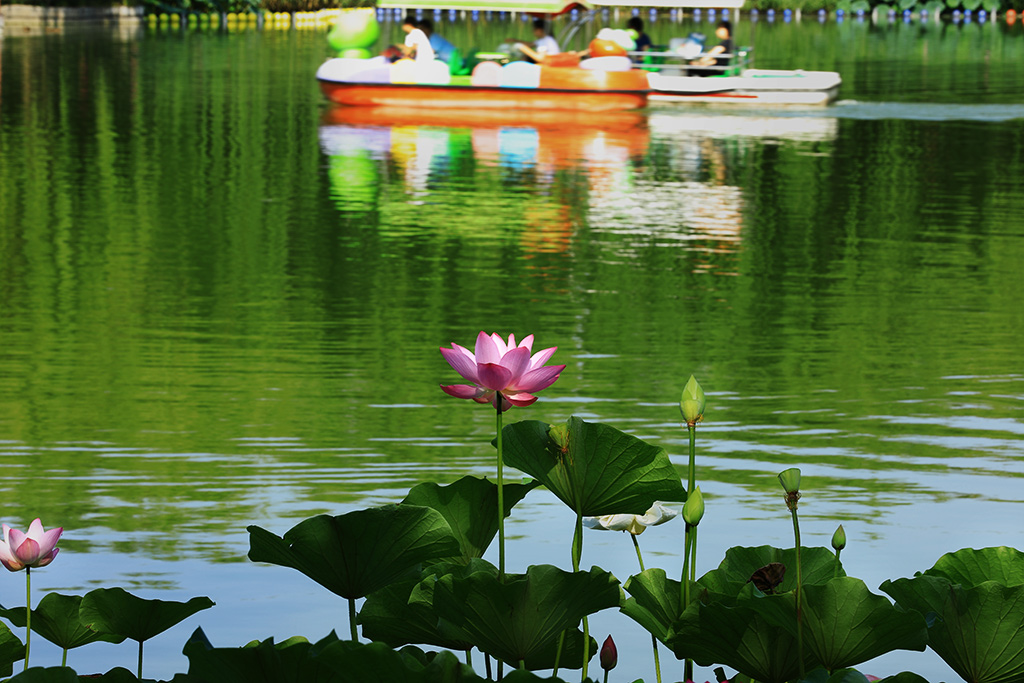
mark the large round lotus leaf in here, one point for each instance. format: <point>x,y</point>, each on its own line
<point>55,618</point>
<point>970,567</point>
<point>360,552</point>
<point>521,617</point>
<point>470,506</point>
<point>593,468</point>
<point>844,624</point>
<point>116,611</point>
<point>975,629</point>
<point>11,650</point>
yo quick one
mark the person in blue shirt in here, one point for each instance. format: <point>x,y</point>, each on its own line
<point>443,49</point>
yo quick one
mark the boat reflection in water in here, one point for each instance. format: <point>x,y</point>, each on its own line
<point>629,179</point>
<point>693,193</point>
<point>452,172</point>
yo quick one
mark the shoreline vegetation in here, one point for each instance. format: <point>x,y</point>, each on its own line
<point>319,14</point>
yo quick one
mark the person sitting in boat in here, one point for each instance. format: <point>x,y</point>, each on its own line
<point>417,44</point>
<point>543,45</point>
<point>718,56</point>
<point>443,49</point>
<point>643,41</point>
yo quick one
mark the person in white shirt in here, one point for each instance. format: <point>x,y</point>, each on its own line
<point>417,43</point>
<point>544,43</point>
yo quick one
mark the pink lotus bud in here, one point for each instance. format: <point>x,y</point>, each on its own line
<point>609,655</point>
<point>36,548</point>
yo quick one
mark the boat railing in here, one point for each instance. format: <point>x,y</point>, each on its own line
<point>672,63</point>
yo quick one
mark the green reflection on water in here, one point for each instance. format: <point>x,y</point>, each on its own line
<point>214,315</point>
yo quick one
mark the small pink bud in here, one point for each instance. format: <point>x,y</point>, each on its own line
<point>609,655</point>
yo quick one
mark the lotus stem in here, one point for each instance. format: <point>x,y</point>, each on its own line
<point>487,665</point>
<point>639,557</point>
<point>685,579</point>
<point>501,499</point>
<point>606,676</point>
<point>835,575</point>
<point>469,656</point>
<point>522,665</point>
<point>693,556</point>
<point>799,591</point>
<point>139,674</point>
<point>558,653</point>
<point>654,639</point>
<point>577,554</point>
<point>64,659</point>
<point>692,480</point>
<point>352,619</point>
<point>28,613</point>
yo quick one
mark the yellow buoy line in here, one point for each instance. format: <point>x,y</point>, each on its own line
<point>319,20</point>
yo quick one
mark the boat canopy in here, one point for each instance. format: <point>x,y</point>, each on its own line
<point>530,6</point>
<point>669,4</point>
<point>554,6</point>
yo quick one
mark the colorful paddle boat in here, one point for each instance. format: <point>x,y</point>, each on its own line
<point>672,79</point>
<point>598,84</point>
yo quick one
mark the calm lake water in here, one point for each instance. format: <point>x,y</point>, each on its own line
<point>221,303</point>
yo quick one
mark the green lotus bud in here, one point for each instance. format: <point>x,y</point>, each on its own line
<point>693,510</point>
<point>692,402</point>
<point>839,539</point>
<point>790,480</point>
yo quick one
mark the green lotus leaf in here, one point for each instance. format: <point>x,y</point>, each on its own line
<point>11,650</point>
<point>593,468</point>
<point>820,675</point>
<point>51,674</point>
<point>521,618</point>
<point>355,554</point>
<point>971,567</point>
<point>118,612</point>
<point>975,629</point>
<point>290,661</point>
<point>654,601</point>
<point>403,612</point>
<point>844,624</point>
<point>739,637</point>
<point>904,677</point>
<point>818,567</point>
<point>470,506</point>
<point>55,618</point>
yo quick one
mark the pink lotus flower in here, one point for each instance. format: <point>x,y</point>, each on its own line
<point>37,548</point>
<point>504,375</point>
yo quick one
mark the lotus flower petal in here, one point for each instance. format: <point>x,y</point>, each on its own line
<point>486,349</point>
<point>520,398</point>
<point>541,378</point>
<point>541,357</point>
<point>461,390</point>
<point>634,524</point>
<point>494,377</point>
<point>503,372</point>
<point>461,360</point>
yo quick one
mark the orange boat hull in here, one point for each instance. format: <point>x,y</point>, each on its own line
<point>565,96</point>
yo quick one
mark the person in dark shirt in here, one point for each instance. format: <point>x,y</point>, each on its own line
<point>719,56</point>
<point>643,41</point>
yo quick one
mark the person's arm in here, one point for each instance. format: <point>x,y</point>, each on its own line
<point>530,52</point>
<point>709,57</point>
